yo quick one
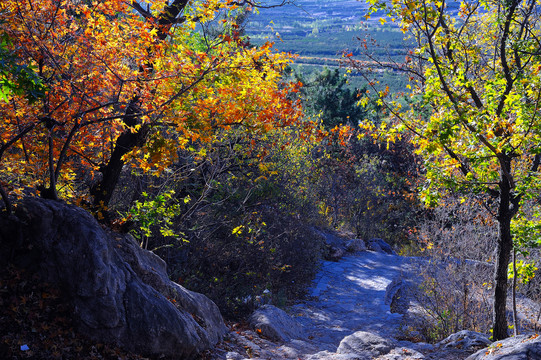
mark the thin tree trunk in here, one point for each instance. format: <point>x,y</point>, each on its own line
<point>50,192</point>
<point>125,143</point>
<point>507,208</point>
<point>499,310</point>
<point>515,318</point>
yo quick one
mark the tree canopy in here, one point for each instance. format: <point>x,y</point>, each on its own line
<point>128,83</point>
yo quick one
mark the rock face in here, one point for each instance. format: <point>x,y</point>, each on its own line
<point>522,347</point>
<point>365,344</point>
<point>275,324</point>
<point>335,244</point>
<point>120,292</point>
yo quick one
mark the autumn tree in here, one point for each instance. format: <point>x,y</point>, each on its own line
<point>477,67</point>
<point>128,83</point>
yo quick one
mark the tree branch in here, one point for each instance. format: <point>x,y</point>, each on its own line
<point>503,56</point>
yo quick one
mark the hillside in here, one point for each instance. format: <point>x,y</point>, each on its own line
<point>163,176</point>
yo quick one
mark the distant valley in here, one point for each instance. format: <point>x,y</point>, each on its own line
<point>321,31</point>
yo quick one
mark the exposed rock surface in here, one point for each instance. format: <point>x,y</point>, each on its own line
<point>232,355</point>
<point>355,245</point>
<point>365,344</point>
<point>522,347</point>
<point>467,340</point>
<point>275,324</point>
<point>402,353</point>
<point>380,246</point>
<point>327,355</point>
<point>335,253</point>
<point>120,292</point>
<point>348,316</point>
<point>336,245</point>
<point>348,309</point>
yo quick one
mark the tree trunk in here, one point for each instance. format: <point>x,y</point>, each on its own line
<point>499,310</point>
<point>514,294</point>
<point>507,208</point>
<point>125,143</point>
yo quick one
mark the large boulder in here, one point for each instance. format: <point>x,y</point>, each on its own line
<point>365,344</point>
<point>522,347</point>
<point>120,293</point>
<point>334,253</point>
<point>355,245</point>
<point>380,246</point>
<point>335,245</point>
<point>275,324</point>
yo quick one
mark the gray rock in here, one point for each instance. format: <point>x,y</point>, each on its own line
<point>335,245</point>
<point>335,253</point>
<point>421,347</point>
<point>275,324</point>
<point>466,340</point>
<point>365,344</point>
<point>326,355</point>
<point>402,353</point>
<point>233,356</point>
<point>522,347</point>
<point>355,245</point>
<point>393,291</point>
<point>331,237</point>
<point>380,246</point>
<point>296,349</point>
<point>120,292</point>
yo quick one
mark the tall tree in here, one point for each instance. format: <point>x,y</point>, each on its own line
<point>478,69</point>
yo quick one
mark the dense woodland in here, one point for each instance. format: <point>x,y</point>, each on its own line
<point>216,151</point>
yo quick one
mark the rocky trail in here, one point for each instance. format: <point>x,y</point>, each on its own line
<point>348,316</point>
<point>352,295</point>
<point>118,293</point>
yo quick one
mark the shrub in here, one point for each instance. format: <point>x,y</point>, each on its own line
<point>458,239</point>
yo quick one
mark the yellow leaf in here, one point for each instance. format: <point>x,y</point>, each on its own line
<point>238,230</point>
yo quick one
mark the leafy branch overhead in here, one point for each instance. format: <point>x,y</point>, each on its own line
<point>17,79</point>
<point>128,87</point>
